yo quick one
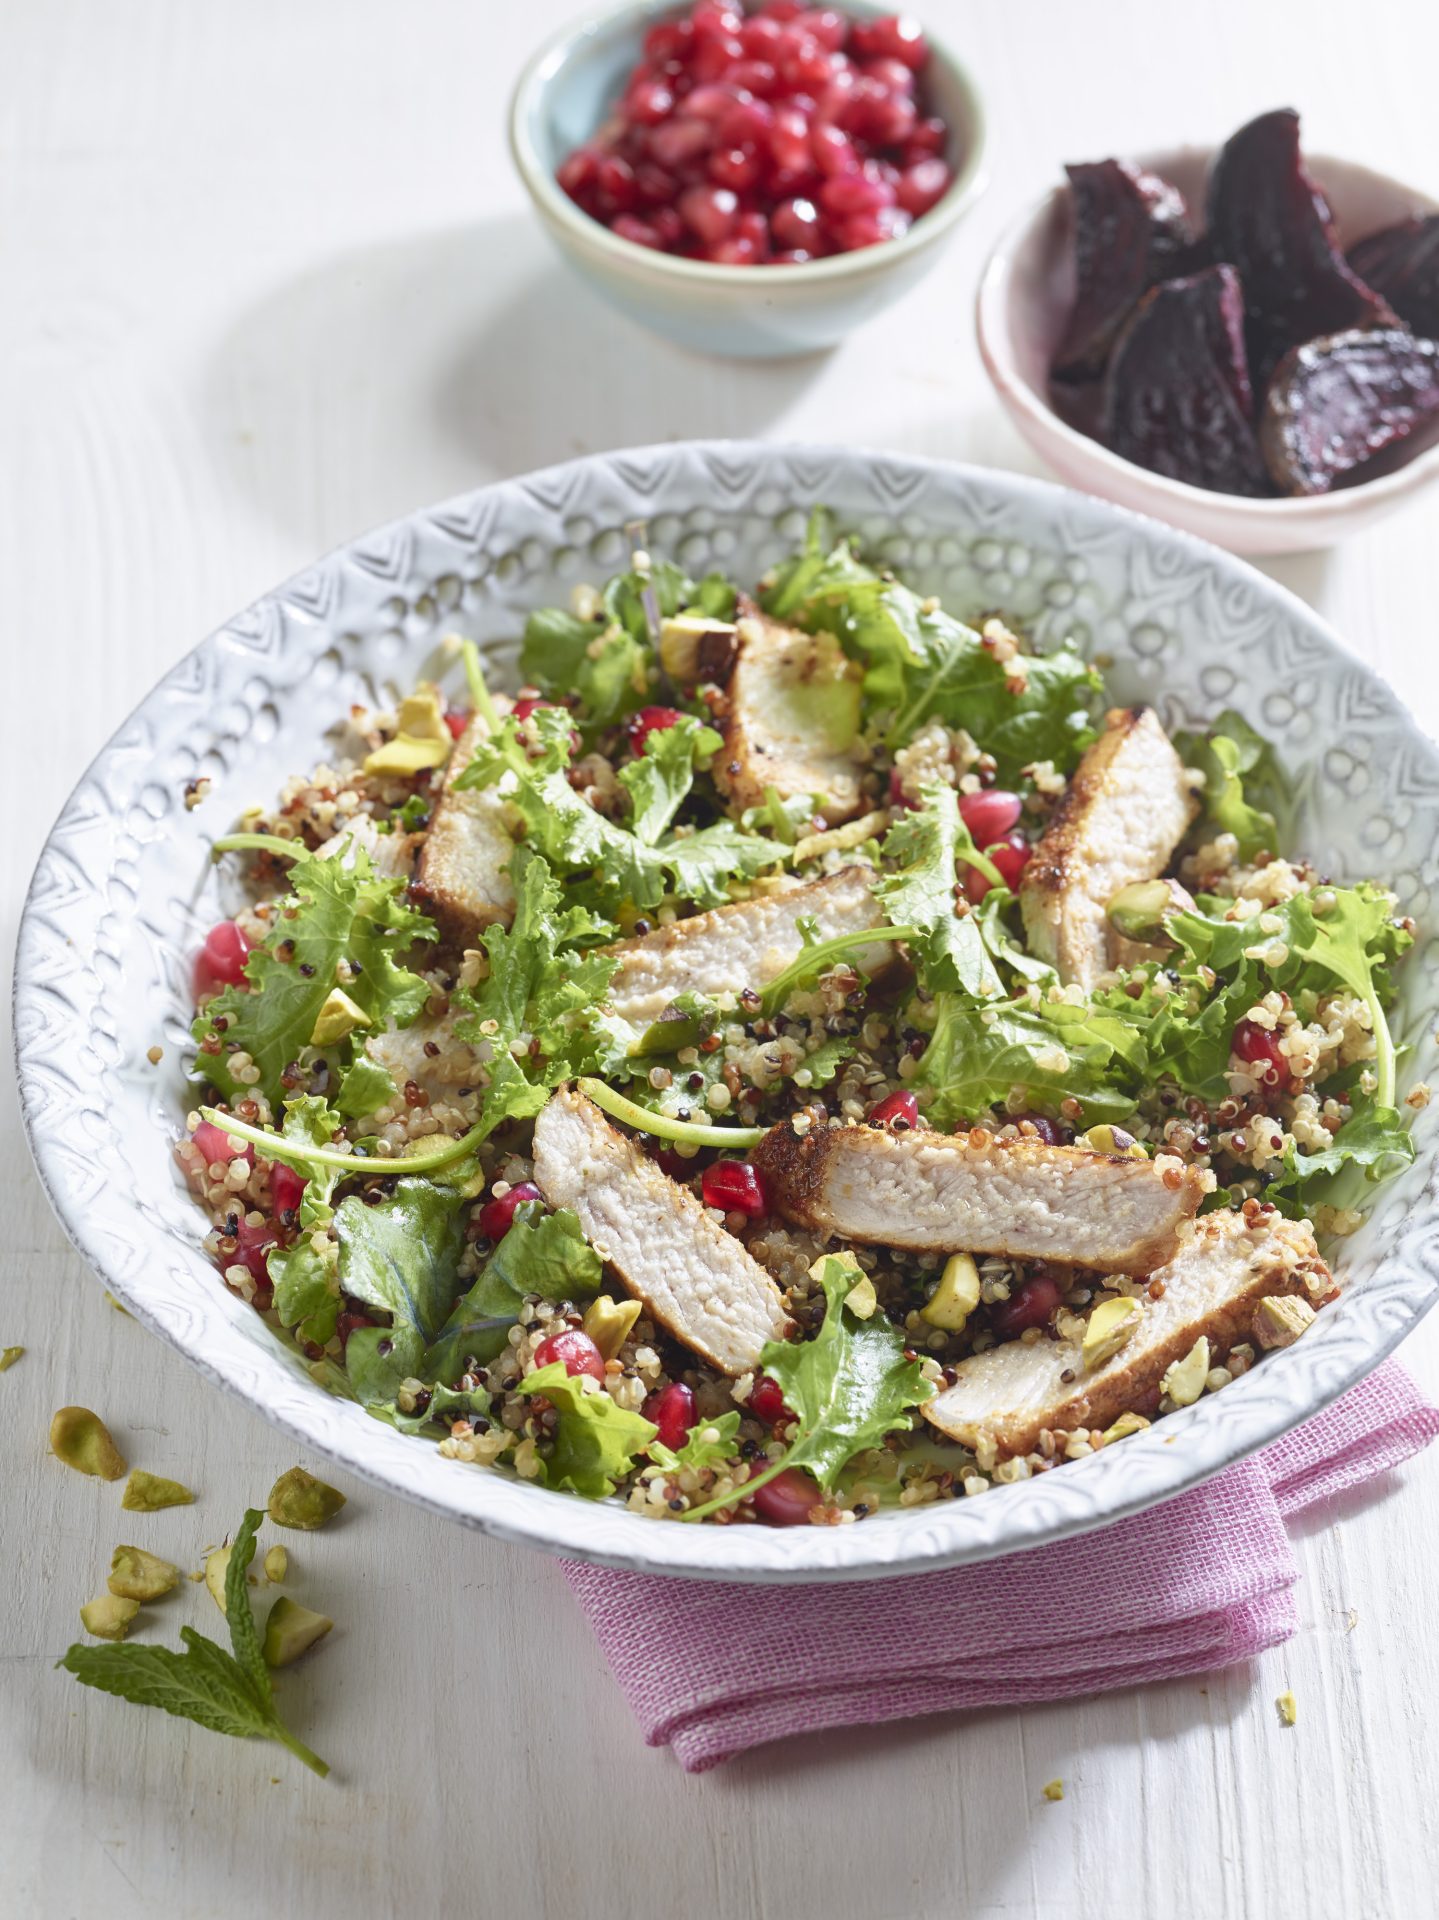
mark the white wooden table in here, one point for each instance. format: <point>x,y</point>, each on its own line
<point>266,279</point>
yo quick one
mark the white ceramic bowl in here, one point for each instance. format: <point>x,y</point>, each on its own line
<point>1023,304</point>
<point>125,888</point>
<point>560,100</point>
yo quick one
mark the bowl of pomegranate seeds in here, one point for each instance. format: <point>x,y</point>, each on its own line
<point>1243,341</point>
<point>752,183</point>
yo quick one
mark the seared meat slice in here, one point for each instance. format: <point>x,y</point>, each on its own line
<point>1126,810</point>
<point>462,878</point>
<point>971,1193</point>
<point>1212,1286</point>
<point>789,716</point>
<point>745,945</point>
<point>694,1278</point>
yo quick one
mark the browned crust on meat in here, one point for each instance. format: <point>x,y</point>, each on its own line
<point>1052,864</point>
<point>666,939</point>
<point>796,1167</point>
<point>1135,1387</point>
<point>457,918</point>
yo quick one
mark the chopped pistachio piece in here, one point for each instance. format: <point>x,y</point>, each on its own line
<point>1111,1324</point>
<point>1288,1709</point>
<point>82,1440</point>
<point>609,1322</point>
<point>217,1563</point>
<point>338,1017</point>
<point>1138,911</point>
<point>292,1630</point>
<point>277,1565</point>
<point>8,1357</point>
<point>422,716</point>
<point>862,1300</point>
<point>108,1616</point>
<point>149,1492</point>
<point>299,1500</point>
<point>1280,1319</point>
<point>137,1575</point>
<point>1054,1790</point>
<point>1126,1424</point>
<point>1184,1381</point>
<point>956,1296</point>
<point>119,1307</point>
<point>404,756</point>
<point>1107,1139</point>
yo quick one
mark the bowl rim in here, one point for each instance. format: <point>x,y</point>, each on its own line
<point>995,336</point>
<point>1195,1443</point>
<point>544,190</point>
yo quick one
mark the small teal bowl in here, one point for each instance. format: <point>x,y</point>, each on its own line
<point>748,313</point>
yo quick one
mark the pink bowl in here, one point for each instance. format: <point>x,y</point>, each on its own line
<point>1024,301</point>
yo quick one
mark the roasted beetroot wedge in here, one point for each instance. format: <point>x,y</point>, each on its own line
<point>1177,397</point>
<point>1130,231</point>
<point>1270,222</point>
<point>1335,405</point>
<point>1401,264</point>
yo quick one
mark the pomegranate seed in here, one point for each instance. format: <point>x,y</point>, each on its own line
<point>221,960</point>
<point>649,102</point>
<point>894,1108</point>
<point>783,9</point>
<point>795,223</point>
<point>524,708</point>
<point>672,1410</point>
<point>894,37</point>
<point>670,40</point>
<point>754,76</point>
<point>861,192</point>
<point>647,721</point>
<point>789,139</point>
<point>1257,1047</point>
<point>670,1162</point>
<point>892,75</point>
<point>793,256</point>
<point>457,719</point>
<point>710,212</point>
<point>989,816</point>
<point>735,167</point>
<point>498,1216</point>
<point>642,233</point>
<point>614,184</point>
<point>930,136</point>
<point>870,229</point>
<point>736,1187</point>
<point>681,140</point>
<point>1031,1306</point>
<point>786,1500</point>
<point>575,1350</point>
<point>738,251</point>
<point>350,1322</point>
<point>808,67</point>
<point>286,1187</point>
<point>254,1245</point>
<point>1010,855</point>
<point>746,124</point>
<point>922,185</point>
<point>826,25</point>
<point>576,174</point>
<point>766,1401</point>
<point>760,36</point>
<point>714,55</point>
<point>833,150</point>
<point>215,1148</point>
<point>897,795</point>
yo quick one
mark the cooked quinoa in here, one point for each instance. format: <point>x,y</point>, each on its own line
<point>1227,1042</point>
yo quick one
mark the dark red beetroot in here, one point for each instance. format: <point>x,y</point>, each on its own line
<point>1177,397</point>
<point>1270,222</point>
<point>1130,231</point>
<point>1401,264</point>
<point>1335,405</point>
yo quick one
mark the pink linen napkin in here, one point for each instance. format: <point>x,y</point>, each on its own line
<point>712,1668</point>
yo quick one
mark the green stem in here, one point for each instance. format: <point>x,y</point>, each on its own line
<point>816,959</point>
<point>259,843</point>
<point>661,1126</point>
<point>1384,1072</point>
<point>277,1146</point>
<point>302,1752</point>
<point>479,692</point>
<point>772,1472</point>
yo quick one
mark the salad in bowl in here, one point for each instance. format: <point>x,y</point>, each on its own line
<point>803,1052</point>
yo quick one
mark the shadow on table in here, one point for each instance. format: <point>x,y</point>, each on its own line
<point>395,375</point>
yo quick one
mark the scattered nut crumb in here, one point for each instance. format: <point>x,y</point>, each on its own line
<point>1288,1711</point>
<point>1054,1790</point>
<point>155,1055</point>
<point>8,1357</point>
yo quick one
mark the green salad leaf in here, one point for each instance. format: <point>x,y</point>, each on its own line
<point>226,1692</point>
<point>304,1280</point>
<point>659,781</point>
<point>400,1256</point>
<point>1239,770</point>
<point>847,1387</point>
<point>1354,940</point>
<point>596,1441</point>
<point>364,1086</point>
<point>698,1451</point>
<point>334,912</point>
<point>600,661</point>
<point>545,1254</point>
<point>920,892</point>
<point>978,1056</point>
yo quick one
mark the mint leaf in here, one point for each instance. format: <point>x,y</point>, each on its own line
<point>596,1442</point>
<point>926,845</point>
<point>334,912</point>
<point>230,1694</point>
<point>400,1256</point>
<point>545,1254</point>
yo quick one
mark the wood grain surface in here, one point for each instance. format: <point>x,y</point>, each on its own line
<point>265,279</point>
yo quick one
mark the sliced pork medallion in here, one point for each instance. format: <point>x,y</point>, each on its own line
<point>695,1279</point>
<point>745,945</point>
<point>790,718</point>
<point>462,880</point>
<point>1211,1289</point>
<point>953,1193</point>
<point>1126,810</point>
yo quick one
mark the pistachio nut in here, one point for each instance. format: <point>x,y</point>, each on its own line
<point>956,1296</point>
<point>8,1357</point>
<point>82,1440</point>
<point>137,1575</point>
<point>217,1563</point>
<point>1137,911</point>
<point>291,1630</point>
<point>1054,1790</point>
<point>1126,1424</point>
<point>299,1500</point>
<point>108,1617</point>
<point>337,1018</point>
<point>610,1322</point>
<point>1184,1381</point>
<point>1280,1319</point>
<point>1111,1324</point>
<point>1107,1139</point>
<point>277,1565</point>
<point>149,1492</point>
<point>422,715</point>
<point>862,1300</point>
<point>1288,1709</point>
